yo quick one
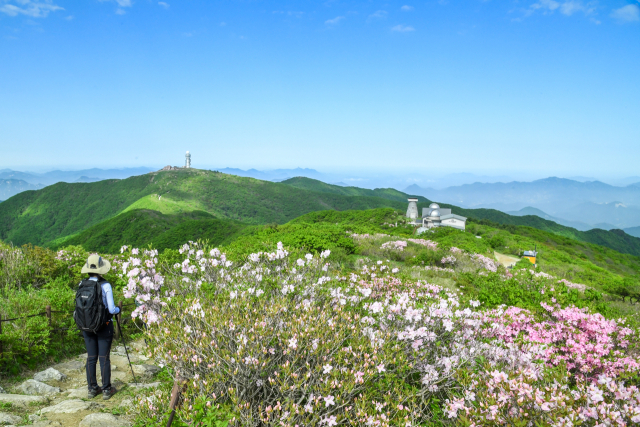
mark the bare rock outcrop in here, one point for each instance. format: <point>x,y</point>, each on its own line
<point>49,374</point>
<point>33,387</point>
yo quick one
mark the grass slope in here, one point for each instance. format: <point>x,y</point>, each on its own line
<point>596,266</point>
<point>321,187</point>
<point>143,227</point>
<point>64,209</point>
<point>614,239</point>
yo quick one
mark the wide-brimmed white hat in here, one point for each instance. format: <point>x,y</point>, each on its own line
<point>96,264</point>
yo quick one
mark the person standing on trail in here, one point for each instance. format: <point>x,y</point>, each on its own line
<point>94,316</point>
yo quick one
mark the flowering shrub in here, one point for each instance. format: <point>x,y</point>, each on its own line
<point>367,236</point>
<point>277,364</point>
<point>587,344</point>
<point>26,266</point>
<point>285,340</point>
<point>427,243</point>
<point>486,263</point>
<point>449,259</point>
<point>569,284</point>
<point>440,269</point>
<point>285,343</point>
<point>398,245</point>
<point>532,397</point>
<point>401,244</point>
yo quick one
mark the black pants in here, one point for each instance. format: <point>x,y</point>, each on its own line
<point>98,348</point>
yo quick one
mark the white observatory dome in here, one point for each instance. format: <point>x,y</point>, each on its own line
<point>434,206</point>
<point>187,152</point>
<point>435,212</point>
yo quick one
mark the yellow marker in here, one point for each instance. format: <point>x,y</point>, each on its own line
<point>531,256</point>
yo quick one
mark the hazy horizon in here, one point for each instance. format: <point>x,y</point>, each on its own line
<point>362,176</point>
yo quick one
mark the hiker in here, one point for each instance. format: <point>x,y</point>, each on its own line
<point>94,311</point>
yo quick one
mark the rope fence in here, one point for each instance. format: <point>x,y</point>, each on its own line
<point>48,313</point>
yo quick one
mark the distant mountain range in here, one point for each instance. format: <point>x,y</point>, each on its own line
<point>275,175</point>
<point>633,231</point>
<point>367,180</point>
<point>575,224</point>
<point>86,175</point>
<point>14,182</point>
<point>87,179</point>
<point>582,205</point>
<point>11,187</point>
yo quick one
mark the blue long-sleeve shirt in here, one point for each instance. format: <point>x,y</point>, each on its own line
<point>107,297</point>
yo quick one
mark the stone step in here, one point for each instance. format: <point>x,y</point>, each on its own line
<point>70,407</point>
<point>103,420</point>
<point>146,371</point>
<point>74,366</point>
<point>21,400</point>
<point>46,423</point>
<point>50,374</point>
<point>33,387</point>
<point>9,419</point>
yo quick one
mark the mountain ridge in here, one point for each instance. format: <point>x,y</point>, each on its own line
<point>29,217</point>
<point>53,177</point>
<point>63,210</point>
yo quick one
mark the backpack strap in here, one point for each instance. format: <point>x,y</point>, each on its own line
<point>107,314</point>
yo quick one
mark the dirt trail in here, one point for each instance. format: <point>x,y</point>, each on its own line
<point>506,260</point>
<point>71,407</point>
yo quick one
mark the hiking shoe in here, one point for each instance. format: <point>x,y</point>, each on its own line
<point>108,392</point>
<point>93,393</point>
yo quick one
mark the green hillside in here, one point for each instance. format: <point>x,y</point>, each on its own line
<point>614,239</point>
<point>596,266</point>
<point>321,187</point>
<point>56,215</point>
<point>63,209</point>
<point>143,227</point>
<point>582,262</point>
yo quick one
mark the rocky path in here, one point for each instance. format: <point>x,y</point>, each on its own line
<point>57,396</point>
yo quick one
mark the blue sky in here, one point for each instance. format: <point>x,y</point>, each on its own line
<point>539,86</point>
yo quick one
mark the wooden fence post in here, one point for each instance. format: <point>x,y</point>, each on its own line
<point>48,311</point>
<point>178,387</point>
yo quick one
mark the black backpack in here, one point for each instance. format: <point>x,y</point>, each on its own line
<point>90,313</point>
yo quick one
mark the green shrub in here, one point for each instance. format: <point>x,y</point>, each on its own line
<point>30,340</point>
<point>527,291</point>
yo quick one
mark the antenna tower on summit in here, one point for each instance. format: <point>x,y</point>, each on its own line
<point>187,161</point>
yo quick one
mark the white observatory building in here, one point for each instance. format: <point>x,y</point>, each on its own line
<point>187,161</point>
<point>434,216</point>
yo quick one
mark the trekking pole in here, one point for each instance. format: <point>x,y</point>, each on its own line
<point>125,348</point>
